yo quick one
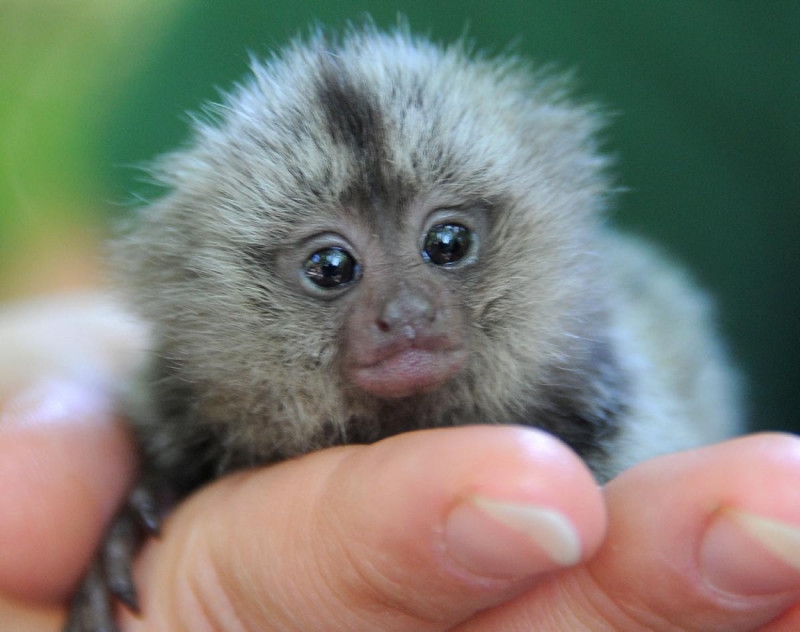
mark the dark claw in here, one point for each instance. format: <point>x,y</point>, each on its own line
<point>109,577</point>
<point>91,609</point>
<point>143,503</point>
<point>122,542</point>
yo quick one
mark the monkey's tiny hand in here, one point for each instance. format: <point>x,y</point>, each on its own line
<point>109,576</point>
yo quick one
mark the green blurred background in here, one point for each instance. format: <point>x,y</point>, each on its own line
<point>706,96</point>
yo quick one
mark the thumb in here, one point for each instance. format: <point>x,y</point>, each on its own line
<point>65,459</point>
<point>417,532</point>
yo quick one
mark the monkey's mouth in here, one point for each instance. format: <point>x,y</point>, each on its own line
<point>409,372</point>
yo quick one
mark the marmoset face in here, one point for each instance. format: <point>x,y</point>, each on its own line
<point>375,227</point>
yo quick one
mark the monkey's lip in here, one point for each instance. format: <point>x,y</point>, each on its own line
<point>409,372</point>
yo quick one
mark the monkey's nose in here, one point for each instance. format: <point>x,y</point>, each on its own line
<point>406,314</point>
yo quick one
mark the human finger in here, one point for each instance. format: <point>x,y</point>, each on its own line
<point>704,540</point>
<point>417,533</point>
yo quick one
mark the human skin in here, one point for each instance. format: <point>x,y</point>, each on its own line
<point>405,534</point>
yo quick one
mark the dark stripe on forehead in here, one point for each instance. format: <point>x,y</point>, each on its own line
<point>351,112</point>
<point>355,121</point>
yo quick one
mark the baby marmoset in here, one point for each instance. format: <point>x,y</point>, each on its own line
<point>377,234</point>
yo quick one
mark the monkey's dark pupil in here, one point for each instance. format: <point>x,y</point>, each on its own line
<point>331,268</point>
<point>446,244</point>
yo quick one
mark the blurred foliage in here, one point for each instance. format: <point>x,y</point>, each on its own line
<point>61,65</point>
<point>705,99</point>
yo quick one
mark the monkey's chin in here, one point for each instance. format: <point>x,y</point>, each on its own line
<point>409,372</point>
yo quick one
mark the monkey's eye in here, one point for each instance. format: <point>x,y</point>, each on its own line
<point>447,244</point>
<point>331,268</point>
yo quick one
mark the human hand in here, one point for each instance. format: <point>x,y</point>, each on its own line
<point>65,460</point>
<point>389,537</point>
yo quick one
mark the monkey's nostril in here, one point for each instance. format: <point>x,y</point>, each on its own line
<point>406,313</point>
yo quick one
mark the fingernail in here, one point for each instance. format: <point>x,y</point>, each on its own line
<point>55,401</point>
<point>747,554</point>
<point>498,538</point>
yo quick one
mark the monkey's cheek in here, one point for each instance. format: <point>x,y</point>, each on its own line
<point>409,372</point>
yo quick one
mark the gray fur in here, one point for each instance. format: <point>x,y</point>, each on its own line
<point>375,131</point>
<point>552,320</point>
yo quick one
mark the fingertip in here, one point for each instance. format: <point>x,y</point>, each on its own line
<point>65,462</point>
<point>751,545</point>
<point>726,517</point>
<point>475,506</point>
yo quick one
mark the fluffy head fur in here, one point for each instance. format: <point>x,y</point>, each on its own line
<point>375,132</point>
<point>379,234</point>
